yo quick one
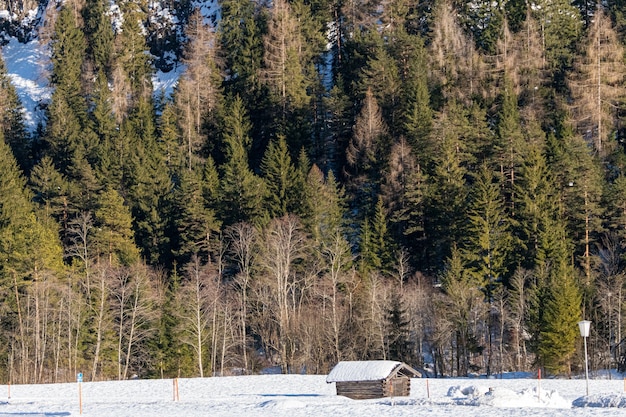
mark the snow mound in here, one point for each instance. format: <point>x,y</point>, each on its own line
<point>282,405</point>
<point>506,398</point>
<point>601,400</point>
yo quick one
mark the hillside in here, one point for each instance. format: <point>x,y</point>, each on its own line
<point>192,188</point>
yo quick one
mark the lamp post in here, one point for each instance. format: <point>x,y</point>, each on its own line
<point>584,326</point>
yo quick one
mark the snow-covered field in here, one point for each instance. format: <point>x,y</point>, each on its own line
<point>310,395</point>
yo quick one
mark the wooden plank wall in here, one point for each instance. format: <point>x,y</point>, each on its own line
<point>362,390</point>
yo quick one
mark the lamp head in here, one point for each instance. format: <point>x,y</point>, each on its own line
<point>584,326</point>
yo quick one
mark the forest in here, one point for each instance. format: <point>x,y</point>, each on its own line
<point>434,181</point>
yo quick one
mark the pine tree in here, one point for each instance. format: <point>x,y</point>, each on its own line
<point>337,124</point>
<point>146,179</point>
<point>242,45</point>
<point>99,32</point>
<point>579,175</point>
<point>446,202</point>
<point>509,148</point>
<point>381,78</point>
<point>28,245</point>
<point>68,127</point>
<point>280,178</point>
<point>12,121</point>
<point>241,191</point>
<point>365,151</point>
<point>195,221</point>
<point>323,206</point>
<point>464,309</point>
<point>132,60</point>
<point>283,71</point>
<point>557,343</point>
<point>560,26</point>
<point>381,241</point>
<point>417,114</point>
<point>108,162</point>
<point>488,241</point>
<point>114,237</point>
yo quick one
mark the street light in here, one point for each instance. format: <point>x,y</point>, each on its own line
<point>584,326</point>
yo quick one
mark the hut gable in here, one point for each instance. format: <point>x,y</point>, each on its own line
<point>372,379</point>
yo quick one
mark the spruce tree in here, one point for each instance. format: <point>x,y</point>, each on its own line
<point>241,191</point>
<point>114,237</point>
<point>242,45</point>
<point>99,32</point>
<point>280,178</point>
<point>488,242</point>
<point>195,221</point>
<point>12,121</point>
<point>557,343</point>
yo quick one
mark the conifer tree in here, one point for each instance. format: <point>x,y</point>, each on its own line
<point>488,240</point>
<point>337,124</point>
<point>31,256</point>
<point>560,26</point>
<point>280,178</point>
<point>108,167</point>
<point>114,237</point>
<point>580,178</point>
<point>380,77</point>
<point>509,148</point>
<point>365,153</point>
<point>195,221</point>
<point>99,32</point>
<point>465,309</point>
<point>457,68</point>
<point>12,121</point>
<point>199,89</point>
<point>147,181</point>
<point>559,333</point>
<point>50,189</point>
<point>597,84</point>
<point>133,66</point>
<point>68,129</point>
<point>242,45</point>
<point>445,204</point>
<point>417,114</point>
<point>169,139</point>
<point>324,206</point>
<point>381,241</point>
<point>283,71</point>
<point>241,191</point>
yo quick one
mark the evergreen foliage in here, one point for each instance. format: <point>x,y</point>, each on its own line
<point>462,163</point>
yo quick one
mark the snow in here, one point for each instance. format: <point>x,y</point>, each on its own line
<point>27,66</point>
<point>361,371</point>
<point>311,396</point>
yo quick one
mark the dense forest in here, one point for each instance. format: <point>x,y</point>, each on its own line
<point>436,182</point>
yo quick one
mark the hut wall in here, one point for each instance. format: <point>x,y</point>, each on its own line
<point>398,387</point>
<point>361,390</point>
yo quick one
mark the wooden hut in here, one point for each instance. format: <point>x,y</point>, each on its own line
<point>372,379</point>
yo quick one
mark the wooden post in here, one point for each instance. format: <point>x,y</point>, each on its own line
<point>79,379</point>
<point>9,389</point>
<point>175,386</point>
<point>80,398</point>
<point>427,389</point>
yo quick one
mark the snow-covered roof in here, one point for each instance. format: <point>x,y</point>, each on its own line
<point>346,371</point>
